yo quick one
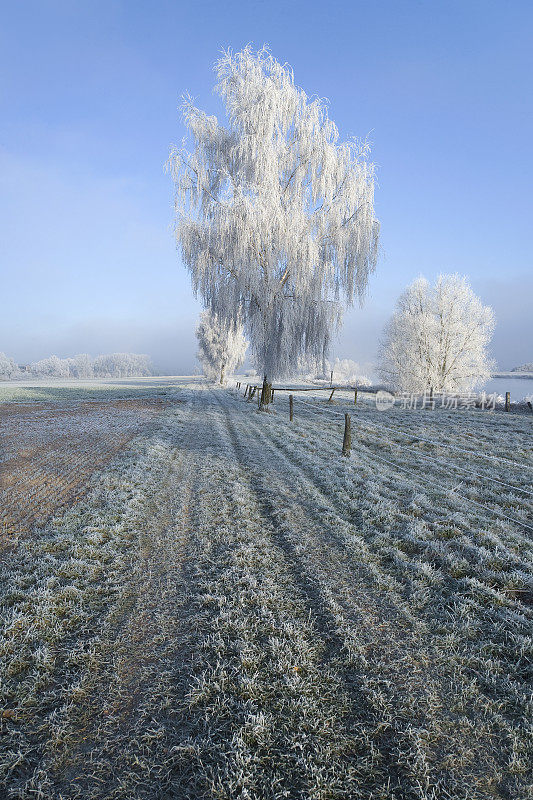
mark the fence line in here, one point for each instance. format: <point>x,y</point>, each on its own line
<point>439,444</point>
<point>433,459</point>
<point>318,411</point>
<point>444,491</point>
<point>414,435</point>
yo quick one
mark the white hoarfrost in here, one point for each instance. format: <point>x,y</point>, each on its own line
<point>342,371</point>
<point>51,367</point>
<point>233,610</point>
<point>8,368</point>
<point>83,366</point>
<point>347,371</point>
<point>275,217</point>
<point>122,365</point>
<point>221,345</point>
<point>437,338</point>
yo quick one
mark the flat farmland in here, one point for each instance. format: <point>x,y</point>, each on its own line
<point>225,607</point>
<point>48,451</point>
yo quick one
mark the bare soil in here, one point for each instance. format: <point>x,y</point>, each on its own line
<point>48,451</point>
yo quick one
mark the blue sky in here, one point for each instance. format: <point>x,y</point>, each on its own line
<point>89,96</point>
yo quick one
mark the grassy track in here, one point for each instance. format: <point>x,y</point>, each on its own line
<point>233,611</point>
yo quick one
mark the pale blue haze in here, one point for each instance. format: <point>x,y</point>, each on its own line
<point>89,94</point>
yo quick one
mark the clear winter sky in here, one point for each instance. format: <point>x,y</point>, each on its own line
<point>89,93</point>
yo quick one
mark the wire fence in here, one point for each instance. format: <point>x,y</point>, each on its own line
<point>319,410</point>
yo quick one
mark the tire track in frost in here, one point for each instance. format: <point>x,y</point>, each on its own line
<point>135,754</point>
<point>319,506</point>
<point>132,710</point>
<point>339,711</point>
<point>73,573</point>
<point>311,589</point>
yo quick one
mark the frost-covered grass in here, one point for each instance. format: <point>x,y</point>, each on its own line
<point>49,449</point>
<point>236,611</point>
<point>63,591</point>
<point>59,390</point>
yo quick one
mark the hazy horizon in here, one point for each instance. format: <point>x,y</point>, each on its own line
<point>90,98</point>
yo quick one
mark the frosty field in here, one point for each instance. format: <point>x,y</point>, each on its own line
<point>49,450</point>
<point>200,600</point>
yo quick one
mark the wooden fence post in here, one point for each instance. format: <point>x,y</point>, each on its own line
<point>290,407</point>
<point>272,395</point>
<point>331,379</point>
<point>246,390</point>
<point>347,441</point>
<point>355,397</point>
<point>507,401</point>
<point>331,395</point>
<point>259,398</point>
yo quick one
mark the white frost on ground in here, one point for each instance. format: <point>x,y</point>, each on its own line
<point>235,610</point>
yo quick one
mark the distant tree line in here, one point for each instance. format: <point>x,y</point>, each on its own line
<point>82,366</point>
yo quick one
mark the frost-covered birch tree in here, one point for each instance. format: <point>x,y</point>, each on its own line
<point>274,216</point>
<point>221,345</point>
<point>437,338</point>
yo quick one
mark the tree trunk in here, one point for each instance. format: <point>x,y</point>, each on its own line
<point>266,392</point>
<point>222,368</point>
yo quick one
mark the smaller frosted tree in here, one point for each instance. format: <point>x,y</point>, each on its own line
<point>437,338</point>
<point>221,345</point>
<point>8,368</point>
